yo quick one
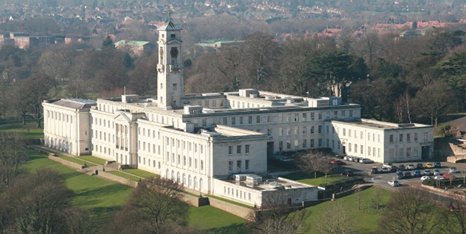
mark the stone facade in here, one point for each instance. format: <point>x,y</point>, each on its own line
<point>203,140</point>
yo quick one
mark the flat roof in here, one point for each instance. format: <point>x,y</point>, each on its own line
<point>383,125</point>
<point>270,184</point>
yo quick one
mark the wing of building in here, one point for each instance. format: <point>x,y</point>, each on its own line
<point>203,140</point>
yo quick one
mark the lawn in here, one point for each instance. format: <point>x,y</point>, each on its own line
<point>29,131</point>
<point>320,180</point>
<point>125,175</point>
<point>363,216</point>
<point>101,197</point>
<point>75,160</point>
<point>140,173</point>
<point>208,217</point>
<point>92,159</point>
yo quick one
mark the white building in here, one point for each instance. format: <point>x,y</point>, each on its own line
<point>202,140</point>
<point>67,125</point>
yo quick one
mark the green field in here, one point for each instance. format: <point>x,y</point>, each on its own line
<point>101,197</point>
<point>217,219</point>
<point>92,159</point>
<point>124,175</point>
<point>29,130</point>
<point>363,217</point>
<point>140,173</point>
<point>320,180</point>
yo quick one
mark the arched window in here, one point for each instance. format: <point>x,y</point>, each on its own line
<point>174,55</point>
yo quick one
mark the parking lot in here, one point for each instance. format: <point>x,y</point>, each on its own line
<point>382,179</point>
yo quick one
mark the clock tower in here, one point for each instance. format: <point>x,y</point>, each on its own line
<point>169,68</point>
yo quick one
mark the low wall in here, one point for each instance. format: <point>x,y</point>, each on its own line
<point>447,193</point>
<point>117,179</point>
<point>240,211</point>
<point>66,162</point>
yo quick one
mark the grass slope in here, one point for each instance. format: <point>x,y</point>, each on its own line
<point>101,197</point>
<point>364,218</point>
<point>216,219</point>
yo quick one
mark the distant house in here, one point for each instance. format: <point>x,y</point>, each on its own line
<point>135,48</point>
<point>219,44</point>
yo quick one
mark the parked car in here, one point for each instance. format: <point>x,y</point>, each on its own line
<point>374,170</point>
<point>436,172</point>
<point>336,162</point>
<point>416,173</point>
<point>339,156</point>
<point>346,158</point>
<point>427,172</point>
<point>429,165</point>
<point>347,173</point>
<point>400,175</point>
<point>410,167</point>
<point>394,183</point>
<point>437,165</point>
<point>452,170</point>
<point>401,167</point>
<point>385,169</point>
<point>365,160</point>
<point>419,166</point>
<point>438,177</point>
<point>407,174</point>
<point>424,178</point>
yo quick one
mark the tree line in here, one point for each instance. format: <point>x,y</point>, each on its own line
<point>394,79</point>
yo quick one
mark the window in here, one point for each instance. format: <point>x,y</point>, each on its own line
<point>241,120</point>
<point>246,164</point>
<point>355,148</point>
<point>172,36</point>
<point>238,165</point>
<point>230,165</point>
<point>238,149</point>
<point>415,137</point>
<point>408,137</point>
<point>184,160</point>
<point>304,143</point>
<point>202,164</point>
<point>233,120</point>
<point>258,119</point>
<point>312,129</point>
<point>249,119</point>
<point>246,149</point>
<point>224,120</point>
<point>312,143</point>
<point>401,137</point>
<point>391,138</point>
<point>320,142</point>
<point>288,145</point>
<point>319,129</point>
<point>362,149</point>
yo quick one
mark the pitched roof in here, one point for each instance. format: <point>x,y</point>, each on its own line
<point>75,103</point>
<point>170,26</point>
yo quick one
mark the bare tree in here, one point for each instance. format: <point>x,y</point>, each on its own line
<point>454,218</point>
<point>335,220</point>
<point>153,208</point>
<point>274,217</point>
<point>313,162</point>
<point>12,156</point>
<point>409,211</point>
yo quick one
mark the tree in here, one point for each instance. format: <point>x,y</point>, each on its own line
<point>336,220</point>
<point>454,218</point>
<point>433,101</point>
<point>27,96</point>
<point>409,211</point>
<point>274,217</point>
<point>12,156</point>
<point>40,203</point>
<point>313,162</point>
<point>153,208</point>
<point>143,79</point>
